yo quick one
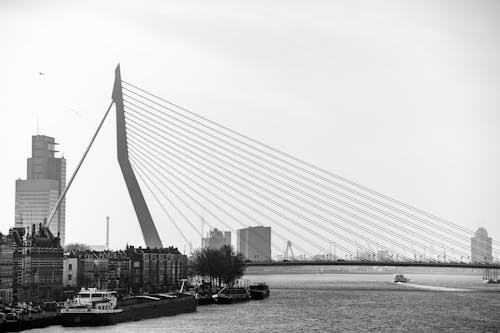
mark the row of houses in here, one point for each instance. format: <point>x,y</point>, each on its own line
<point>135,270</point>
<point>34,268</point>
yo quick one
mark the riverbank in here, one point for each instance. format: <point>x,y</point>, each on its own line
<point>339,303</point>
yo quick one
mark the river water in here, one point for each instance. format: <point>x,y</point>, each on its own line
<point>341,303</point>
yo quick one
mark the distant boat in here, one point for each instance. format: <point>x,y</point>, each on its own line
<point>401,278</point>
<point>259,291</point>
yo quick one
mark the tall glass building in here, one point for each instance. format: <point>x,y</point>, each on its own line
<point>45,181</point>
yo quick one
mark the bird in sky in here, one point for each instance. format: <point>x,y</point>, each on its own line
<point>76,112</point>
<point>41,73</point>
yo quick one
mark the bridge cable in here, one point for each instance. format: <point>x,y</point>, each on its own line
<point>296,160</point>
<point>164,209</point>
<point>184,192</point>
<point>318,207</point>
<point>280,182</point>
<point>137,161</point>
<point>63,195</point>
<point>233,138</point>
<point>267,198</point>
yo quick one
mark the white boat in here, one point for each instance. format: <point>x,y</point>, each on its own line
<point>401,278</point>
<point>89,304</point>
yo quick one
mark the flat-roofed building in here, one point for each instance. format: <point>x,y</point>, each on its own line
<point>255,243</point>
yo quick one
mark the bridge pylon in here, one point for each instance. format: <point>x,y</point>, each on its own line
<point>149,232</point>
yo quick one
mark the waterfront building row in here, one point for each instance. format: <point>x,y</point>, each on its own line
<point>133,270</point>
<point>34,268</point>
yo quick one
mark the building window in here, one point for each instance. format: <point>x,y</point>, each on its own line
<point>70,277</point>
<point>70,267</point>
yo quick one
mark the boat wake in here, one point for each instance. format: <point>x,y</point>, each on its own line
<point>433,288</point>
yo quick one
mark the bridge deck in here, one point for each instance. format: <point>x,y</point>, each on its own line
<point>374,263</point>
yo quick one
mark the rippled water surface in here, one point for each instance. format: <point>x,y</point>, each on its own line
<point>342,303</point>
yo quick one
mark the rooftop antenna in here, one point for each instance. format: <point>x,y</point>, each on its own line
<point>37,125</point>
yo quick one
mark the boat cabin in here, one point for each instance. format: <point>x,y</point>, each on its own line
<point>93,298</point>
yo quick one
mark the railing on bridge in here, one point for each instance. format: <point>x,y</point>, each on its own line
<point>427,264</point>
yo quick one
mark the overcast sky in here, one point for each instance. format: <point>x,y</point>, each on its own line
<point>401,96</point>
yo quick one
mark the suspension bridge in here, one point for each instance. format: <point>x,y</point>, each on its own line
<point>179,165</point>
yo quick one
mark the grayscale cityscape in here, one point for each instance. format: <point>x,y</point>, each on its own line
<point>250,166</point>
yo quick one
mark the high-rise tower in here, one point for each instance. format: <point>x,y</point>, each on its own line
<point>255,243</point>
<point>481,247</point>
<point>45,181</point>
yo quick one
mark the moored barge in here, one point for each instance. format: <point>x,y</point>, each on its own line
<point>259,291</point>
<point>92,307</point>
<point>228,295</point>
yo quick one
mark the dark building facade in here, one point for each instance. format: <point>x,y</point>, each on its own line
<point>118,271</point>
<point>92,270</point>
<point>108,270</point>
<point>38,265</point>
<point>6,268</point>
<point>156,270</point>
<point>133,270</point>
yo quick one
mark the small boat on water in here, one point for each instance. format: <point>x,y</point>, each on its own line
<point>93,307</point>
<point>228,295</point>
<point>259,291</point>
<point>401,278</point>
